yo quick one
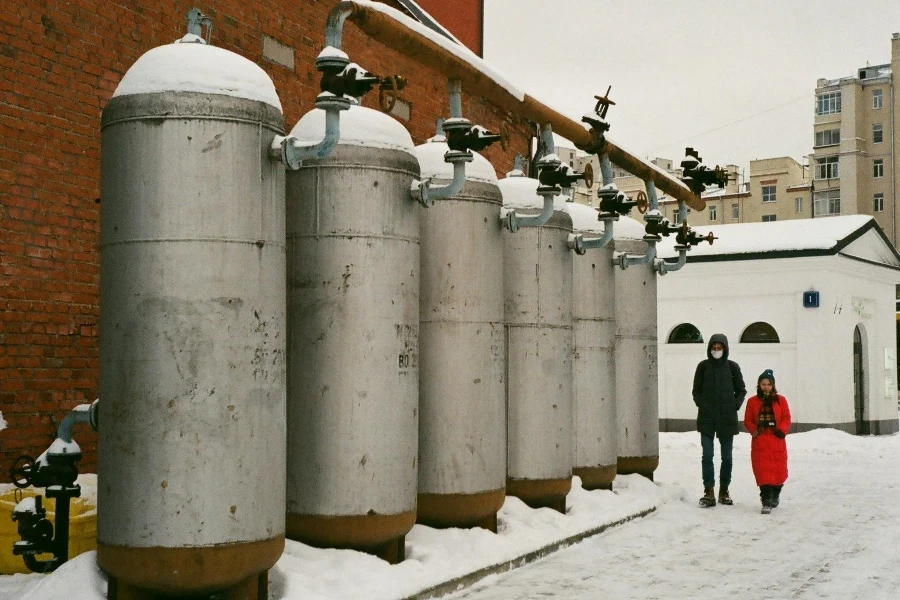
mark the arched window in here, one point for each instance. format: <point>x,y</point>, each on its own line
<point>759,333</point>
<point>685,334</point>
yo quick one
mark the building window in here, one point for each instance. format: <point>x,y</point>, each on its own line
<point>768,193</point>
<point>798,205</point>
<point>878,170</point>
<point>827,168</point>
<point>828,103</point>
<point>879,202</point>
<point>828,202</point>
<point>712,213</point>
<point>677,216</point>
<point>877,133</point>
<point>759,333</point>
<point>685,334</point>
<point>877,99</point>
<point>769,218</point>
<point>735,210</point>
<point>829,137</point>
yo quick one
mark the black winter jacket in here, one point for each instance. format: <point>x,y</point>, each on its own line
<point>719,392</point>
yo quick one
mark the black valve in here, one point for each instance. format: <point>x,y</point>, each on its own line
<point>660,226</point>
<point>698,176</point>
<point>561,175</point>
<point>475,138</point>
<point>688,237</point>
<point>33,526</point>
<point>352,80</point>
<point>614,201</point>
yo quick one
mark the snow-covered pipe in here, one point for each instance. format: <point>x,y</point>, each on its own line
<point>512,221</point>
<point>83,413</point>
<point>398,32</point>
<point>422,190</point>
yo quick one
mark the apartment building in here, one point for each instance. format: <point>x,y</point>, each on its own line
<point>855,157</point>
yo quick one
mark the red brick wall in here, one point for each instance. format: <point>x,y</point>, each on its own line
<point>463,18</point>
<point>59,64</point>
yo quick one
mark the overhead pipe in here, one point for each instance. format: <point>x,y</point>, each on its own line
<point>422,190</point>
<point>404,35</point>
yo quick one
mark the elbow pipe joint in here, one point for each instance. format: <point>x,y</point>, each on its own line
<point>663,266</point>
<point>605,239</point>
<point>83,413</point>
<point>292,152</point>
<point>623,260</point>
<point>426,195</point>
<point>514,222</point>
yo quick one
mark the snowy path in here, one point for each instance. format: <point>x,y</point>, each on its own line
<point>834,536</point>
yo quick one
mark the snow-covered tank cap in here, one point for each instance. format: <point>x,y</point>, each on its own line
<point>432,164</point>
<point>584,218</point>
<point>521,192</point>
<point>360,126</point>
<point>627,228</point>
<point>190,65</point>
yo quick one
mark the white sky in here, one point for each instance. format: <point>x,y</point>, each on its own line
<point>681,69</point>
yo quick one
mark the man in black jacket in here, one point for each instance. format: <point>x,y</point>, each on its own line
<point>719,392</point>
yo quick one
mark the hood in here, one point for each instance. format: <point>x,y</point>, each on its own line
<point>717,337</point>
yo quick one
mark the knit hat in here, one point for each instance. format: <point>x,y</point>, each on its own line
<point>767,374</point>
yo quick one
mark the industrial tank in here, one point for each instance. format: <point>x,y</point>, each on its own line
<point>353,349</point>
<point>637,373</point>
<point>192,326</point>
<point>462,419</point>
<point>537,281</point>
<point>594,331</point>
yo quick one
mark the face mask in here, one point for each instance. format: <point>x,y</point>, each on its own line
<point>718,353</point>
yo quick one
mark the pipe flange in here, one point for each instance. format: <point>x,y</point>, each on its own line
<point>329,101</point>
<point>652,238</point>
<point>454,123</point>
<point>680,247</point>
<point>548,190</point>
<point>332,59</point>
<point>455,156</point>
<point>510,221</point>
<point>576,243</point>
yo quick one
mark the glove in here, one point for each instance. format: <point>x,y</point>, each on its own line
<point>778,433</point>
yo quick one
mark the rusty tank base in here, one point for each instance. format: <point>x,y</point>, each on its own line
<point>642,465</point>
<point>383,536</point>
<point>461,510</point>
<point>252,588</point>
<point>596,478</point>
<point>541,493</point>
<point>237,571</point>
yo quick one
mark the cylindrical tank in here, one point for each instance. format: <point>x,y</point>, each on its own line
<point>353,358</point>
<point>192,325</point>
<point>594,331</point>
<point>462,403</point>
<point>537,281</point>
<point>637,374</point>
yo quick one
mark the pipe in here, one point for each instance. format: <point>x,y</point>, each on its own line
<point>83,413</point>
<point>663,267</point>
<point>606,169</point>
<point>422,190</point>
<point>514,222</point>
<point>404,36</point>
<point>581,245</point>
<point>623,260</point>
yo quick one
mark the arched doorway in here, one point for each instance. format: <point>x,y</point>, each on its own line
<point>859,384</point>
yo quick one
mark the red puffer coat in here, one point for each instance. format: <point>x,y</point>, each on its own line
<point>768,453</point>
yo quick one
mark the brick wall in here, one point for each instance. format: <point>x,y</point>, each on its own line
<point>59,64</point>
<point>463,18</point>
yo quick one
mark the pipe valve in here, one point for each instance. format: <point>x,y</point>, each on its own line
<point>463,137</point>
<point>597,121</point>
<point>614,201</point>
<point>562,175</point>
<point>688,237</point>
<point>352,80</point>
<point>698,176</point>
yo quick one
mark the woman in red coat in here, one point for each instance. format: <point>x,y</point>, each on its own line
<point>768,420</point>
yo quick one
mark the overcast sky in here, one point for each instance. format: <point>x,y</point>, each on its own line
<point>735,79</point>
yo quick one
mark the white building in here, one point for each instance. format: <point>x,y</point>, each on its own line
<point>814,300</point>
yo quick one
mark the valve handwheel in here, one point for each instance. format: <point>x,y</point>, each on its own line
<point>588,175</point>
<point>20,472</point>
<point>642,203</point>
<point>387,93</point>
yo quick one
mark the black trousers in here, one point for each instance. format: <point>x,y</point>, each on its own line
<point>769,494</point>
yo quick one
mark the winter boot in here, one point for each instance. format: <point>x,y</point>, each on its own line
<point>709,498</point>
<point>773,496</point>
<point>724,497</point>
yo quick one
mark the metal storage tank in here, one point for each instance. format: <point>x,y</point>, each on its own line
<point>637,375</point>
<point>537,281</point>
<point>594,331</point>
<point>192,326</point>
<point>462,342</point>
<point>353,350</point>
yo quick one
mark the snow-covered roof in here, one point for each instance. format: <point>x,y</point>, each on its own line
<point>190,65</point>
<point>781,239</point>
<point>432,164</point>
<point>360,126</point>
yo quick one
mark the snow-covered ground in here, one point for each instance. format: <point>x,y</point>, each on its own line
<point>835,535</point>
